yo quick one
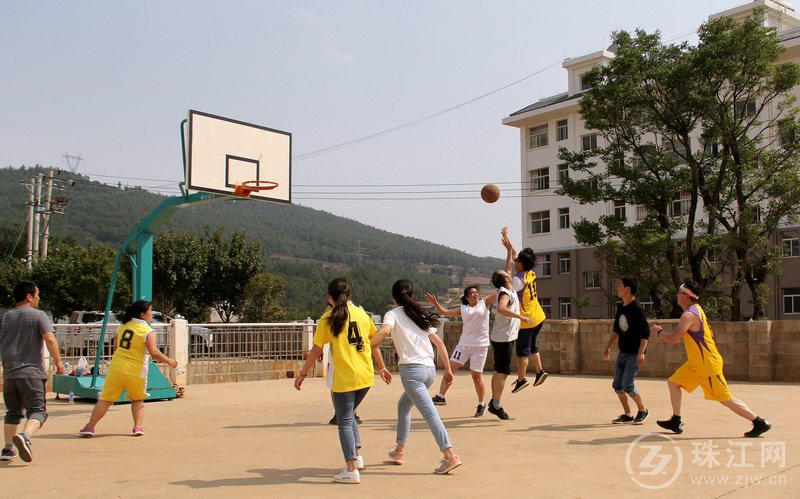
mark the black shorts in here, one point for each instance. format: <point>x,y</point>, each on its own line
<point>24,394</point>
<point>526,341</point>
<point>502,356</point>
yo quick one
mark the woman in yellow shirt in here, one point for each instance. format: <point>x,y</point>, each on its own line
<point>348,329</point>
<point>135,344</point>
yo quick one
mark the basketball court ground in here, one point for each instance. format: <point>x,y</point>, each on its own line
<point>267,439</point>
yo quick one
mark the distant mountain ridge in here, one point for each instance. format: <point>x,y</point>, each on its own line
<point>305,245</point>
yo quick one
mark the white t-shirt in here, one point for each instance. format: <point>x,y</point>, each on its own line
<point>475,331</point>
<point>506,328</point>
<point>412,343</point>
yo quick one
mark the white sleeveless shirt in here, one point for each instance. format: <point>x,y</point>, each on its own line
<point>475,331</point>
<point>506,328</point>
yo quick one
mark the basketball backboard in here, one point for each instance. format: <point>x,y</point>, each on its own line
<point>224,153</point>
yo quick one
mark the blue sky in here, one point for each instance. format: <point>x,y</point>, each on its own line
<point>112,81</point>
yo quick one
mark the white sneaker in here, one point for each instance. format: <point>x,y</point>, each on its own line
<point>347,477</point>
<point>359,462</point>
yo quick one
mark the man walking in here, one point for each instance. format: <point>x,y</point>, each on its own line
<point>23,332</point>
<point>704,365</point>
<point>631,333</point>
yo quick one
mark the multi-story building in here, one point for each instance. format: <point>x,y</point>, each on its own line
<point>573,282</point>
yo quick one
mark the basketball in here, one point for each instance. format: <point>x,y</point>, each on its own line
<point>490,193</point>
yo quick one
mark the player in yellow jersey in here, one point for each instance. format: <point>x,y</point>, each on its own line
<point>348,329</point>
<point>135,344</point>
<point>703,366</point>
<point>524,282</point>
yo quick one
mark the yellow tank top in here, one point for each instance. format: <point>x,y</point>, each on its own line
<point>529,305</point>
<point>351,352</point>
<point>130,356</point>
<point>701,349</point>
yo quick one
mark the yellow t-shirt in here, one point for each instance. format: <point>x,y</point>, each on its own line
<point>529,305</point>
<point>130,356</point>
<point>352,354</point>
<point>701,349</point>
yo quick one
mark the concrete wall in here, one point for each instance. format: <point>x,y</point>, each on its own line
<point>752,351</point>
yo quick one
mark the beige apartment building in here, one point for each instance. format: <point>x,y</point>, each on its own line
<point>573,283</point>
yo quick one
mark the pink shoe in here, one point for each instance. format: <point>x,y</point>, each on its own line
<point>138,431</point>
<point>397,457</point>
<point>446,466</point>
<point>87,431</point>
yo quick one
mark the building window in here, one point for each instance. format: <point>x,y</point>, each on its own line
<point>589,142</point>
<point>591,280</point>
<point>540,179</point>
<point>544,267</point>
<point>791,300</point>
<point>564,308</point>
<point>585,85</point>
<point>791,247</point>
<point>563,173</point>
<point>744,108</point>
<point>680,204</point>
<point>713,254</point>
<point>786,133</point>
<point>546,306</point>
<point>562,130</point>
<point>619,210</point>
<point>641,213</point>
<point>711,150</point>
<point>564,263</point>
<point>538,136</point>
<point>563,218</point>
<point>540,222</point>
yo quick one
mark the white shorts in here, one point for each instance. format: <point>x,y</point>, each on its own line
<point>475,355</point>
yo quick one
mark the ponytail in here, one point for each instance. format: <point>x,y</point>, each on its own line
<point>135,310</point>
<point>403,294</point>
<point>339,291</point>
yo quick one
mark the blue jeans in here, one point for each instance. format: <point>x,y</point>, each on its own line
<point>416,380</point>
<point>625,372</point>
<point>345,403</point>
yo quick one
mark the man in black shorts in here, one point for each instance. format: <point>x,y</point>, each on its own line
<point>23,332</point>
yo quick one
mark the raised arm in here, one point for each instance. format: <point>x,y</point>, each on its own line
<point>511,253</point>
<point>447,312</point>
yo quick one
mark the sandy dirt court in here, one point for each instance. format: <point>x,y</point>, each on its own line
<point>266,439</point>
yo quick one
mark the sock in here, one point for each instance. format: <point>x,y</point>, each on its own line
<point>439,395</point>
<point>495,403</point>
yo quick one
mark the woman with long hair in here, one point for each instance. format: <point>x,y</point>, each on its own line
<point>348,329</point>
<point>413,330</point>
<point>135,343</point>
<point>473,346</point>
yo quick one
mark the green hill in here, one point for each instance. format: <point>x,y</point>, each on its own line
<point>308,247</point>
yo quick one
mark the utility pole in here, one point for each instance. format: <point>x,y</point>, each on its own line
<point>37,209</point>
<point>29,246</point>
<point>48,210</point>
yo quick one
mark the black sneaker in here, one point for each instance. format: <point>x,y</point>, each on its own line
<point>759,426</point>
<point>540,377</point>
<point>8,454</point>
<point>500,413</point>
<point>333,420</point>
<point>641,416</point>
<point>480,410</point>
<point>438,400</point>
<point>519,385</point>
<point>672,424</point>
<point>23,444</point>
<point>623,419</point>
<point>358,419</point>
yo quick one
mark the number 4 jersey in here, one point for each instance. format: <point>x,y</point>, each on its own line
<point>130,356</point>
<point>351,352</point>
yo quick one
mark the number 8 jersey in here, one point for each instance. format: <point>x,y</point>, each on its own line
<point>130,356</point>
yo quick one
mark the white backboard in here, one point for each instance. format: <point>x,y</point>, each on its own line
<point>224,152</point>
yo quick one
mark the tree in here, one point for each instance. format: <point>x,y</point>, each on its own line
<point>12,271</point>
<point>74,277</point>
<point>231,264</point>
<point>651,103</point>
<point>180,264</point>
<point>262,297</point>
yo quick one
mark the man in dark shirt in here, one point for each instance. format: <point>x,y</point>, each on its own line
<point>23,332</point>
<point>631,332</point>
